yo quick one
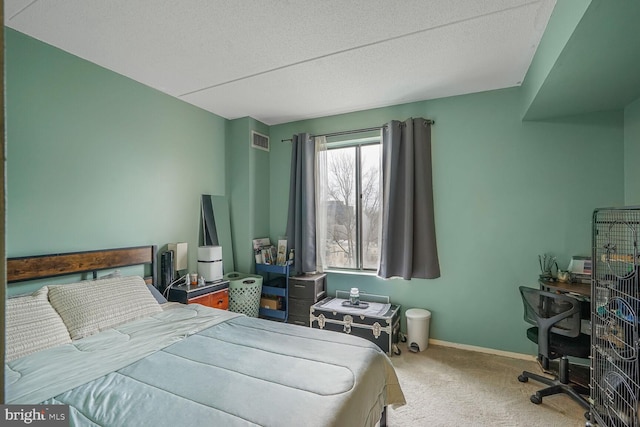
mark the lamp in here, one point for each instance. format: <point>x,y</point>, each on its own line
<point>180,251</point>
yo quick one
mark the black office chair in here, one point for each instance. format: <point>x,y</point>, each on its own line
<point>557,332</point>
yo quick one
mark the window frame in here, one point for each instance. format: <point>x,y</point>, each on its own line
<point>357,143</point>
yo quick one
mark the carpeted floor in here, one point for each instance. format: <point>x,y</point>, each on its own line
<point>451,387</point>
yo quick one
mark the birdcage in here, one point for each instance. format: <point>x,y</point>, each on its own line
<point>615,315</point>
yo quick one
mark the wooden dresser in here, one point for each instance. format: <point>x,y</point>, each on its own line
<point>215,294</point>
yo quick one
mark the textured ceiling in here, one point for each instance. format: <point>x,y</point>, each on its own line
<point>279,61</point>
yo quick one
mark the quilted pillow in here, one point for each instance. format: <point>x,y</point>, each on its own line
<point>92,306</point>
<point>32,325</point>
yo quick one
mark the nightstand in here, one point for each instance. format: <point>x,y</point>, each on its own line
<point>214,294</point>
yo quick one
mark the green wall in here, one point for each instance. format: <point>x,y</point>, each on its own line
<point>260,193</point>
<point>597,68</point>
<point>248,187</point>
<point>238,186</point>
<point>632,154</point>
<point>96,160</point>
<point>562,23</point>
<point>505,191</point>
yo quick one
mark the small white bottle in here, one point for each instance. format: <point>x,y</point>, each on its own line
<point>354,296</point>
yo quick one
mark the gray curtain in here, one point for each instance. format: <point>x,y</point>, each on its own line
<point>301,221</point>
<point>408,240</point>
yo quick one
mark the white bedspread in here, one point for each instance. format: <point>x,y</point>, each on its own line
<point>47,373</point>
<point>193,365</point>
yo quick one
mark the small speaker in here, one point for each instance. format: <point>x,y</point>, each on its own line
<point>166,269</point>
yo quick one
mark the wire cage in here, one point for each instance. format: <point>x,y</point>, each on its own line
<point>615,313</point>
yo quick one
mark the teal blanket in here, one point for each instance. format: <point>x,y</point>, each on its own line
<point>198,366</point>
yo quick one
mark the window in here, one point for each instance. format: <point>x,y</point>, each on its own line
<point>353,204</point>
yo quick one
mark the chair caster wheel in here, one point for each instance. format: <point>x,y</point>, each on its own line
<point>522,378</point>
<point>396,350</point>
<point>535,399</point>
<point>403,338</point>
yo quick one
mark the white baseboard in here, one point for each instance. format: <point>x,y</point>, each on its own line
<point>511,354</point>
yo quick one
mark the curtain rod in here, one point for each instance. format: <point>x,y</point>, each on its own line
<point>347,132</point>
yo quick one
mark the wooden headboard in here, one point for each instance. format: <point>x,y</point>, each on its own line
<point>22,269</point>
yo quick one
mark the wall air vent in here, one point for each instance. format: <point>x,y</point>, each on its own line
<point>259,141</point>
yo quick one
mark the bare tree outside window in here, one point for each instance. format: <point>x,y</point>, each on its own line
<point>370,160</point>
<point>342,243</point>
<point>341,215</point>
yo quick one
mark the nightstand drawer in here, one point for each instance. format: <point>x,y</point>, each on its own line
<point>218,299</point>
<point>202,299</point>
<point>308,287</point>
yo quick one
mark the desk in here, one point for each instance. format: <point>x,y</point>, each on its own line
<point>579,289</point>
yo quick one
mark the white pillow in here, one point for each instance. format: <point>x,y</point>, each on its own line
<point>32,325</point>
<point>92,306</point>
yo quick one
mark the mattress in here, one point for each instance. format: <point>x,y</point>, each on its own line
<point>194,365</point>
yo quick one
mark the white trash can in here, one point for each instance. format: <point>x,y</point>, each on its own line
<point>418,329</point>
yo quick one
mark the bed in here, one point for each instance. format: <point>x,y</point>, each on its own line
<point>117,354</point>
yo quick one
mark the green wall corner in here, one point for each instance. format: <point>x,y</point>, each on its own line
<point>248,172</point>
<point>563,21</point>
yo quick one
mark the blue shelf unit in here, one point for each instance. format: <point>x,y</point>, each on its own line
<point>278,285</point>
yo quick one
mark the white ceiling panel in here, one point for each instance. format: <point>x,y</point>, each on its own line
<point>274,60</point>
